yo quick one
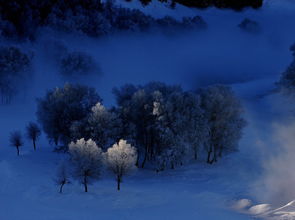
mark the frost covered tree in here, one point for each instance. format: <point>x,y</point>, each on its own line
<point>121,159</point>
<point>16,140</point>
<point>102,125</point>
<point>33,133</point>
<point>86,161</point>
<point>225,122</point>
<point>168,124</point>
<point>61,107</point>
<point>181,128</point>
<point>62,177</point>
<point>136,104</point>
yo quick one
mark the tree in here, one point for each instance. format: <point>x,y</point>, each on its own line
<point>61,107</point>
<point>223,112</point>
<point>77,64</point>
<point>287,80</point>
<point>62,177</point>
<point>33,133</point>
<point>16,140</point>
<point>181,127</point>
<point>121,159</point>
<point>14,66</point>
<point>86,159</point>
<point>135,107</point>
<point>250,26</point>
<point>103,126</point>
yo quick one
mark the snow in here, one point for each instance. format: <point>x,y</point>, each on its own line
<point>226,190</point>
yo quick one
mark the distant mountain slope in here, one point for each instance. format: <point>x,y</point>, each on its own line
<point>233,4</point>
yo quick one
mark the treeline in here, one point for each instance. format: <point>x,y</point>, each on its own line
<point>233,4</point>
<point>21,19</point>
<point>16,67</point>
<point>167,126</point>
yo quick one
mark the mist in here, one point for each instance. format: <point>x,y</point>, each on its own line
<point>221,54</point>
<point>278,178</point>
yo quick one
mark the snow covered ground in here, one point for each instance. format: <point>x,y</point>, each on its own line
<point>239,187</point>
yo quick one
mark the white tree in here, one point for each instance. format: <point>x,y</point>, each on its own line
<point>102,126</point>
<point>86,159</point>
<point>121,159</point>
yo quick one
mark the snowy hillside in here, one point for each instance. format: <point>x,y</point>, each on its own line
<point>257,182</point>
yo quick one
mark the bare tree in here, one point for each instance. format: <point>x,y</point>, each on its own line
<point>121,159</point>
<point>62,177</point>
<point>16,140</point>
<point>33,132</point>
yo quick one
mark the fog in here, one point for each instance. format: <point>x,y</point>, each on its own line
<point>222,54</point>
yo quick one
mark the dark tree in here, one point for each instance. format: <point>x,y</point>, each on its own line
<point>33,133</point>
<point>62,177</point>
<point>61,107</point>
<point>224,113</point>
<point>286,83</point>
<point>16,140</point>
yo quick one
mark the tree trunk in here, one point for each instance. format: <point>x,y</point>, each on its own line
<point>196,154</point>
<point>220,152</point>
<point>146,150</point>
<point>145,158</point>
<point>61,187</point>
<point>56,141</point>
<point>137,162</point>
<point>209,156</point>
<point>215,156</point>
<point>17,149</point>
<point>118,183</point>
<point>34,143</point>
<point>85,184</point>
<point>172,165</point>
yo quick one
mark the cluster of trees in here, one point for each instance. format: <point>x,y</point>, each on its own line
<point>250,26</point>
<point>14,68</point>
<point>87,161</point>
<point>33,133</point>
<point>70,63</point>
<point>22,18</point>
<point>287,81</point>
<point>233,4</point>
<point>77,64</point>
<point>167,126</point>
